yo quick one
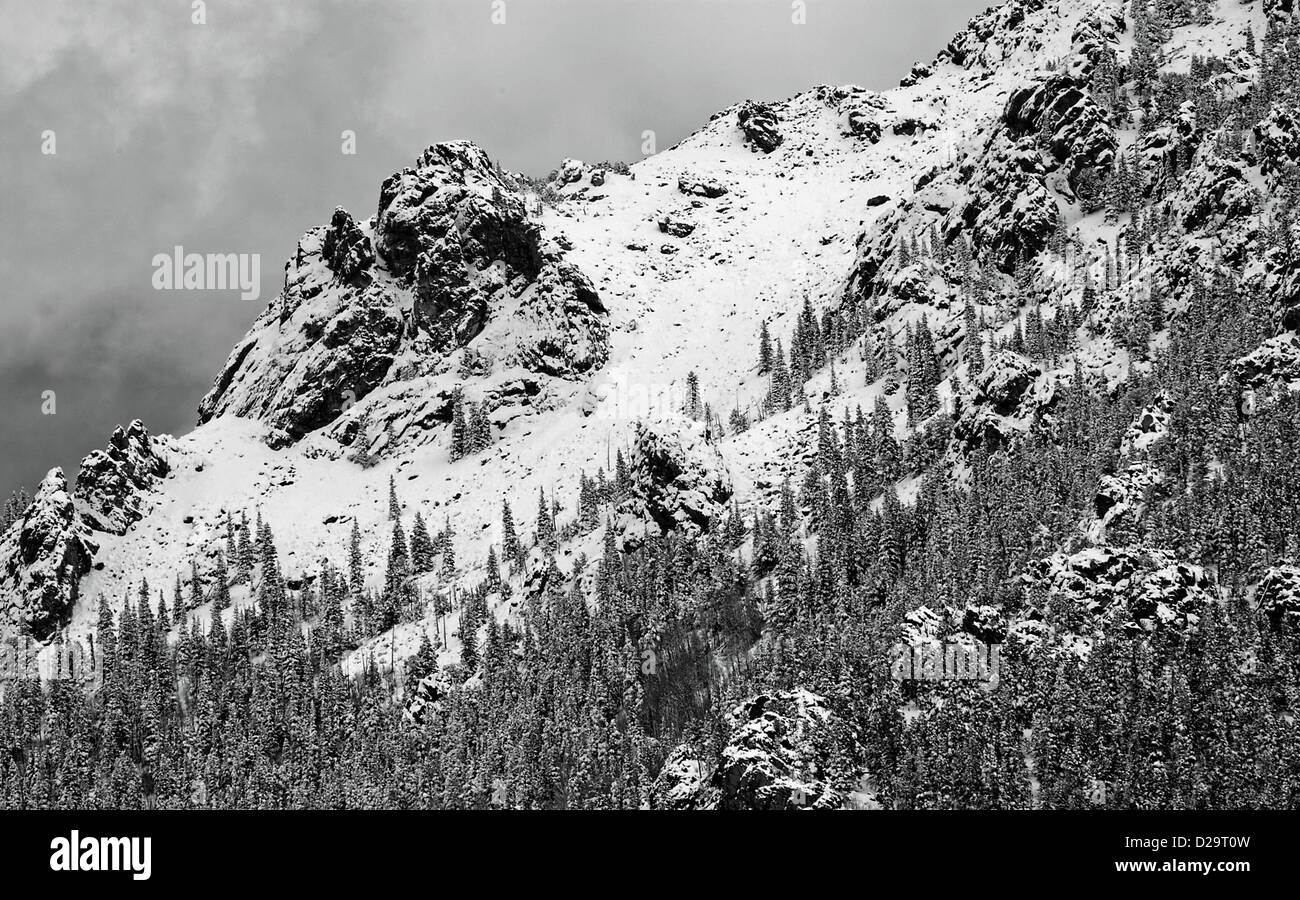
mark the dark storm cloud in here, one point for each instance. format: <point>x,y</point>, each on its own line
<point>225,137</point>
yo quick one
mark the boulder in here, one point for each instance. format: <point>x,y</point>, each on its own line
<point>676,227</point>
<point>700,186</point>
<point>759,123</point>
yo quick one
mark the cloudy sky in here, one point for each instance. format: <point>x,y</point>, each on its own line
<point>225,137</point>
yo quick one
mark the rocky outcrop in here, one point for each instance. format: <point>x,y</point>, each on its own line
<point>1009,211</point>
<point>561,324</point>
<point>1215,191</point>
<point>781,752</point>
<point>1274,362</point>
<point>1121,499</point>
<point>683,782</point>
<point>1143,589</point>
<point>1149,428</point>
<point>1007,398</point>
<point>680,481</point>
<point>113,485</point>
<point>46,553</point>
<point>1277,139</point>
<point>859,110</point>
<point>759,123</point>
<point>991,35</point>
<point>1278,595</point>
<point>921,284</point>
<point>450,252</point>
<point>427,698</point>
<point>1075,130</point>
<point>346,249</point>
<point>1282,287</point>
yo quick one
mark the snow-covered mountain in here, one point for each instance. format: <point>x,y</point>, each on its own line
<point>573,315</point>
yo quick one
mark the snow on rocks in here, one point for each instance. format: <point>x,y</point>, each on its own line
<point>1007,397</point>
<point>683,782</point>
<point>859,109</point>
<point>957,624</point>
<point>992,36</point>
<point>1278,594</point>
<point>1283,289</point>
<point>1121,498</point>
<point>1215,191</point>
<point>452,257</point>
<point>113,484</point>
<point>680,482</point>
<point>347,249</point>
<point>1142,588</point>
<point>1274,362</point>
<point>428,695</point>
<point>1010,211</point>
<point>1075,128</point>
<point>675,226</point>
<point>778,755</point>
<point>45,554</point>
<point>695,185</point>
<point>1277,139</point>
<point>759,123</point>
<point>1149,427</point>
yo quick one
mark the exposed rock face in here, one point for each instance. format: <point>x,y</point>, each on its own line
<point>1215,191</point>
<point>347,249</point>
<point>680,481</point>
<point>1274,362</point>
<point>442,222</point>
<point>759,123</point>
<point>428,695</point>
<point>1277,139</point>
<point>923,284</point>
<point>860,110</point>
<point>320,345</point>
<point>450,252</point>
<point>990,36</point>
<point>1283,289</point>
<point>1010,212</point>
<point>1008,397</point>
<point>1278,594</point>
<point>1076,130</point>
<point>780,755</point>
<point>562,324</point>
<point>1094,36</point>
<point>1121,498</point>
<point>113,484</point>
<point>683,782</point>
<point>46,553</point>
<point>1143,589</point>
<point>1149,427</point>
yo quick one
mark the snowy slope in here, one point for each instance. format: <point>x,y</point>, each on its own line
<point>852,169</point>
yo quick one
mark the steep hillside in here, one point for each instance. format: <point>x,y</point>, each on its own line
<point>1005,355</point>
